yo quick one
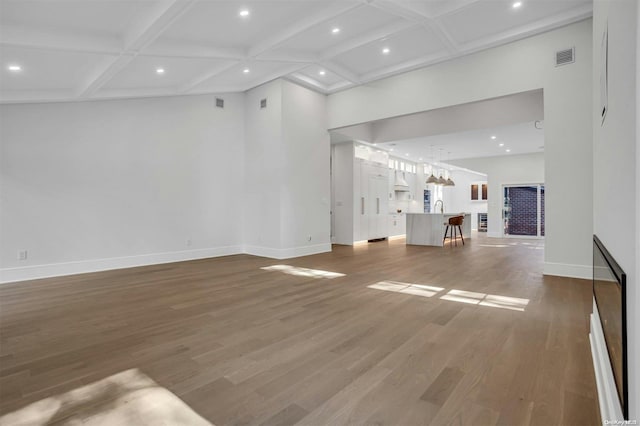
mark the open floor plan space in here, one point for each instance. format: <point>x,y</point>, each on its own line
<point>380,333</point>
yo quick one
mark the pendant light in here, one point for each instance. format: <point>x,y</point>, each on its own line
<point>449,181</point>
<point>441,179</point>
<point>432,178</point>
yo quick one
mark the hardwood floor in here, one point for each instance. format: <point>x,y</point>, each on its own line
<point>244,345</point>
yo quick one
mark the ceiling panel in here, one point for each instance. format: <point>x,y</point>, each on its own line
<point>141,72</point>
<point>405,46</point>
<point>325,80</point>
<point>218,23</point>
<point>234,77</point>
<point>487,18</point>
<point>352,24</point>
<point>96,17</point>
<point>45,70</point>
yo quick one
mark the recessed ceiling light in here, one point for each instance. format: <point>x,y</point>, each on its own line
<point>244,13</point>
<point>391,149</point>
<point>386,51</point>
<point>407,154</point>
<point>246,70</point>
<point>375,144</point>
<point>420,159</point>
<point>159,70</point>
<point>335,30</point>
<point>14,68</point>
<point>508,150</point>
<point>501,144</point>
<point>322,72</point>
<point>493,137</point>
<point>516,4</point>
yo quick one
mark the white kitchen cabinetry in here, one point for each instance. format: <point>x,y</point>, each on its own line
<point>360,203</point>
<point>397,224</point>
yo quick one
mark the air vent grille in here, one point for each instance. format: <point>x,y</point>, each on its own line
<point>566,56</point>
<point>220,102</point>
<point>263,103</point>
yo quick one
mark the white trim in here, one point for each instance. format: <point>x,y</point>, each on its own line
<point>610,408</point>
<point>8,275</point>
<point>287,253</point>
<point>568,270</point>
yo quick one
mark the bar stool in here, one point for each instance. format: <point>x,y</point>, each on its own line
<point>453,223</point>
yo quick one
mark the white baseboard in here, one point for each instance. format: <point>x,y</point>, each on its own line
<point>610,408</point>
<point>568,270</point>
<point>287,253</point>
<point>8,275</point>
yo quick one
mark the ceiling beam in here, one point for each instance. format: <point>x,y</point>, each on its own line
<point>274,75</point>
<point>143,32</point>
<point>341,71</point>
<point>335,9</point>
<point>210,73</point>
<point>180,49</point>
<point>363,40</point>
<point>409,12</point>
<point>27,37</point>
<point>106,69</point>
<point>287,56</point>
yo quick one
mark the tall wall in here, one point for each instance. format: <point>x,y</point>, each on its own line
<point>288,177</point>
<point>517,67</point>
<point>109,184</point>
<point>616,164</point>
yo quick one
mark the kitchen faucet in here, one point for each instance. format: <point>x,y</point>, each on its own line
<point>441,206</point>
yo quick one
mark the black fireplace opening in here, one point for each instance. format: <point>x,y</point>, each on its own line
<point>609,292</point>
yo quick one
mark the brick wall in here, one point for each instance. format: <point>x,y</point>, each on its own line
<point>523,219</point>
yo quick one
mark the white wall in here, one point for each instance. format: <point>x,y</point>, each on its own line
<point>458,198</point>
<point>264,164</point>
<point>287,181</point>
<point>306,194</point>
<point>503,170</point>
<point>616,163</point>
<point>517,67</point>
<point>100,185</point>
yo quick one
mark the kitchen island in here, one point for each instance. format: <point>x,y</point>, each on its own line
<point>427,229</point>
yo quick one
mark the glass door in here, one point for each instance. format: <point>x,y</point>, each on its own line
<point>523,210</point>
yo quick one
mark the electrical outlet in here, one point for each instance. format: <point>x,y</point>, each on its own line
<point>189,242</point>
<point>22,255</point>
<point>309,238</point>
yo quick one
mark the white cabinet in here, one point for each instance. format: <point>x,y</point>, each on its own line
<point>397,224</point>
<point>360,194</point>
<point>372,200</point>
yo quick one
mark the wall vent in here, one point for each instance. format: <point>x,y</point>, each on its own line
<point>220,102</point>
<point>263,103</point>
<point>566,56</point>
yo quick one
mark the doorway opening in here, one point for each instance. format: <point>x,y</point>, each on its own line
<point>523,210</point>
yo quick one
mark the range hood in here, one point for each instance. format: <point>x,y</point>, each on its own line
<point>400,184</point>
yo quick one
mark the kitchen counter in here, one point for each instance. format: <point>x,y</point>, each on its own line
<point>427,229</point>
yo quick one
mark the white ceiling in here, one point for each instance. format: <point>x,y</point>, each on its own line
<point>521,138</point>
<point>88,49</point>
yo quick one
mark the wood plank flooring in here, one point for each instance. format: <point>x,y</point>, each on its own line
<point>243,345</point>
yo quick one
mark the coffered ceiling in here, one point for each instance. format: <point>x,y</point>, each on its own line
<point>95,49</point>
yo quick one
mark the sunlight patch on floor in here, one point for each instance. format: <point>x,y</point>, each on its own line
<point>461,296</point>
<point>126,398</point>
<point>303,272</point>
<point>407,288</point>
<point>490,300</point>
